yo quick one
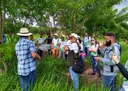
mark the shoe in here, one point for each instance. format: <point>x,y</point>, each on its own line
<point>99,76</point>
<point>93,74</point>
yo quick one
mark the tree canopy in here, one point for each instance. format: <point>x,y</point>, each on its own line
<point>71,15</point>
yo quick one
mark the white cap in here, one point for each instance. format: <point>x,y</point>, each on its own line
<point>74,35</point>
<point>63,35</point>
<point>56,34</point>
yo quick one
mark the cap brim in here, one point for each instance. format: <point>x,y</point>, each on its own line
<point>28,34</point>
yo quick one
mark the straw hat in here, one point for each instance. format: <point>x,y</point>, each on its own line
<point>24,32</point>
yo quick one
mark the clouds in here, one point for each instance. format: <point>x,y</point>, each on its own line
<point>122,5</point>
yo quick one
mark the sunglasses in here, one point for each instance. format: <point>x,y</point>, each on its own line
<point>92,40</point>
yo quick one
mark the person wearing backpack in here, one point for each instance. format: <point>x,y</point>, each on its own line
<point>72,55</point>
<point>93,48</point>
<point>109,68</point>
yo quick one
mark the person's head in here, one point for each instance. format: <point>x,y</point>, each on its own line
<point>24,33</point>
<point>62,37</point>
<point>49,34</point>
<point>55,35</point>
<point>41,35</point>
<point>31,37</point>
<point>86,34</point>
<point>73,38</point>
<point>109,39</point>
<point>67,37</point>
<point>93,41</point>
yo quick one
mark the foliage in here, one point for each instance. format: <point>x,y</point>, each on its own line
<point>51,75</point>
<point>71,15</point>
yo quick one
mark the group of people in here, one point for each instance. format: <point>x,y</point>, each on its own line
<point>69,47</point>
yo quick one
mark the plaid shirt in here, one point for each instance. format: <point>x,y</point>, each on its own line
<point>26,63</point>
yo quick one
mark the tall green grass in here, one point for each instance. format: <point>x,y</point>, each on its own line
<point>51,76</point>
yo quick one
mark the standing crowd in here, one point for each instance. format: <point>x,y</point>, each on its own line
<point>73,49</point>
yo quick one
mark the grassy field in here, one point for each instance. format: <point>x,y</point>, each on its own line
<point>51,75</point>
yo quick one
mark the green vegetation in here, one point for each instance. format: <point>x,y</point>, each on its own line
<point>79,16</point>
<point>51,74</point>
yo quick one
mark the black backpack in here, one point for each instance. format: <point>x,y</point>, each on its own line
<point>78,65</point>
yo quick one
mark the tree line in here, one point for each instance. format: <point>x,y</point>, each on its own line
<point>79,16</point>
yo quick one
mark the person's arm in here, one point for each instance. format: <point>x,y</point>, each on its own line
<point>122,70</point>
<point>120,66</point>
<point>33,51</point>
<point>35,56</point>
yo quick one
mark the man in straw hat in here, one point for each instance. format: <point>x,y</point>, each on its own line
<point>27,56</point>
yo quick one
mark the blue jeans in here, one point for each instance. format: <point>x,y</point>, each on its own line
<point>108,82</point>
<point>95,66</point>
<point>86,51</point>
<point>27,82</point>
<point>121,89</point>
<point>75,78</point>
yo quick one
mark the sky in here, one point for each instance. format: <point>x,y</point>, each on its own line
<point>120,6</point>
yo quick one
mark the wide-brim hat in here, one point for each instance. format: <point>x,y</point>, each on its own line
<point>74,35</point>
<point>24,32</point>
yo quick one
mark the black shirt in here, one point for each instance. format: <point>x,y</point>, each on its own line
<point>49,40</point>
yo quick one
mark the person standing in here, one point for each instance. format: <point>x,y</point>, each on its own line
<point>55,45</point>
<point>68,43</point>
<point>27,56</point>
<point>109,68</point>
<point>72,56</point>
<point>49,41</point>
<point>86,43</point>
<point>39,42</point>
<point>93,48</point>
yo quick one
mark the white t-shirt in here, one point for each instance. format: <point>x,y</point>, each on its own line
<point>74,47</point>
<point>62,43</point>
<point>94,47</point>
<point>68,42</point>
<point>56,42</point>
<point>87,41</point>
<point>81,47</point>
<point>40,41</point>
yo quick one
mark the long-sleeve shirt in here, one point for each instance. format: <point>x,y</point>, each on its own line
<point>109,67</point>
<point>122,70</point>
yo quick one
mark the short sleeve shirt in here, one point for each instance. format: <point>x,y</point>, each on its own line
<point>26,63</point>
<point>40,41</point>
<point>74,47</point>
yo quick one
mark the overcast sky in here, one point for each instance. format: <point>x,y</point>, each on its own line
<point>123,4</point>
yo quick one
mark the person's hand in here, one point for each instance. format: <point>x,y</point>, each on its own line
<point>66,48</point>
<point>97,58</point>
<point>115,58</point>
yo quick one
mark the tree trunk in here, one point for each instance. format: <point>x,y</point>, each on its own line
<point>1,25</point>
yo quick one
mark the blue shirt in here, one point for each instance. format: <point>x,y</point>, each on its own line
<point>26,63</point>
